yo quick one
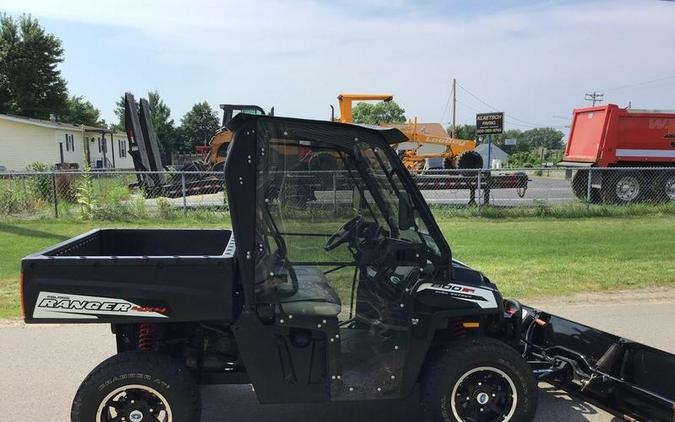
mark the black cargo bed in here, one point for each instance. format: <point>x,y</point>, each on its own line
<point>122,275</point>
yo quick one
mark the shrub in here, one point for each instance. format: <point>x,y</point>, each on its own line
<point>85,195</point>
<point>66,186</point>
<point>138,207</point>
<point>114,206</point>
<point>10,201</point>
<point>165,209</point>
<point>40,185</point>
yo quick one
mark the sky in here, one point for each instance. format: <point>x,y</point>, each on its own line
<point>534,60</point>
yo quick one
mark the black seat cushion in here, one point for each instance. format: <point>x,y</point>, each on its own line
<point>314,296</point>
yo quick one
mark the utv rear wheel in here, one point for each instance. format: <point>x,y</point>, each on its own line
<point>136,387</point>
<point>478,380</point>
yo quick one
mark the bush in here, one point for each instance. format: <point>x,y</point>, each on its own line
<point>66,186</point>
<point>85,195</point>
<point>138,207</point>
<point>40,185</point>
<point>114,206</point>
<point>10,201</point>
<point>165,209</point>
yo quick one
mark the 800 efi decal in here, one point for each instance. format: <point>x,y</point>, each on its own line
<point>60,306</point>
<point>485,298</point>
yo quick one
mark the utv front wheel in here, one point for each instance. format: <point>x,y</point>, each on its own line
<point>137,387</point>
<point>478,380</point>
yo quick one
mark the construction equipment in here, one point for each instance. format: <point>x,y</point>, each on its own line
<point>214,159</point>
<point>609,136</point>
<point>259,304</point>
<point>457,154</point>
<point>150,171</point>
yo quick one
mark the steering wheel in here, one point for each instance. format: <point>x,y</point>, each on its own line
<point>344,234</point>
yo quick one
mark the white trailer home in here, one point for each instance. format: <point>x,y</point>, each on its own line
<point>24,141</point>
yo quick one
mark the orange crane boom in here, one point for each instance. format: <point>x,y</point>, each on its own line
<point>459,153</point>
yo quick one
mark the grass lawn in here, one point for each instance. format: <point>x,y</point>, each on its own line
<point>526,257</point>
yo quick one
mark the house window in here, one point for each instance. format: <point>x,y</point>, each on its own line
<point>122,148</point>
<point>100,148</point>
<point>70,142</point>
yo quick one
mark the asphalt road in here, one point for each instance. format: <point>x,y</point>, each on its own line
<point>42,366</point>
<point>549,190</point>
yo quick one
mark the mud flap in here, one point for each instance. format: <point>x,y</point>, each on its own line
<point>628,379</point>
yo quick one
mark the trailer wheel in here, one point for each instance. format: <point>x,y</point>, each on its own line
<point>664,187</point>
<point>135,387</point>
<point>468,160</point>
<point>478,379</point>
<point>624,187</point>
<point>580,187</point>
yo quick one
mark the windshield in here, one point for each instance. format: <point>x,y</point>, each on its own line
<point>389,184</point>
<point>311,188</point>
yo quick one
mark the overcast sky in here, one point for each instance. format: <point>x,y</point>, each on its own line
<point>532,59</point>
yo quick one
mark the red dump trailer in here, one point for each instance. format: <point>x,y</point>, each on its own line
<point>610,136</point>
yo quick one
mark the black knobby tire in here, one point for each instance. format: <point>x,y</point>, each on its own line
<point>664,186</point>
<point>624,187</point>
<point>580,187</point>
<point>468,160</point>
<point>161,386</point>
<point>456,366</point>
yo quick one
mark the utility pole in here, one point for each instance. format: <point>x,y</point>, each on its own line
<point>595,97</point>
<point>454,107</point>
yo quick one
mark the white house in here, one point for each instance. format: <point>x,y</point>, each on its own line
<point>24,141</point>
<point>498,156</point>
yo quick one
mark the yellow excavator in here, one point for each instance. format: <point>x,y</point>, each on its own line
<point>215,153</point>
<point>458,153</point>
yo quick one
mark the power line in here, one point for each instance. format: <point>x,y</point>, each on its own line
<point>594,97</point>
<point>447,104</point>
<point>637,84</point>
<point>493,108</point>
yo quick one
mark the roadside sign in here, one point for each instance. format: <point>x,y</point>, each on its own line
<point>510,141</point>
<point>489,123</point>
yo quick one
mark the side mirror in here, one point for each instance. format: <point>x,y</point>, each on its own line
<point>406,211</point>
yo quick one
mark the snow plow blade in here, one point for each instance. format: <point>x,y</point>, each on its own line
<point>628,379</point>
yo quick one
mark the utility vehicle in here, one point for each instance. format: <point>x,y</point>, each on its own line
<point>362,302</point>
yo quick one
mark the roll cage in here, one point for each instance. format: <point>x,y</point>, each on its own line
<point>251,151</point>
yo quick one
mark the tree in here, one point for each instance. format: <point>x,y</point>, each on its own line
<point>382,112</point>
<point>81,112</point>
<point>167,134</point>
<point>164,126</point>
<point>463,131</point>
<point>30,83</point>
<point>119,112</point>
<point>198,126</point>
<point>546,137</point>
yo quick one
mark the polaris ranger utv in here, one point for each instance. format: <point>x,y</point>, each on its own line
<point>362,302</point>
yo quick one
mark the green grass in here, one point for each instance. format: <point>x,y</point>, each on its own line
<point>526,256</point>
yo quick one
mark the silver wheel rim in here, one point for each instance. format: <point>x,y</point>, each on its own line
<point>105,409</point>
<point>480,396</point>
<point>670,187</point>
<point>627,188</point>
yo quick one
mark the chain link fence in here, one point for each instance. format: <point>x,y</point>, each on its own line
<point>120,195</point>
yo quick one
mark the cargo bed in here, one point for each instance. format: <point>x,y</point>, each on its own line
<point>123,275</point>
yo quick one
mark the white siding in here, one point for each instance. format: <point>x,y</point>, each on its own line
<point>122,159</point>
<point>22,144</point>
<point>73,153</point>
